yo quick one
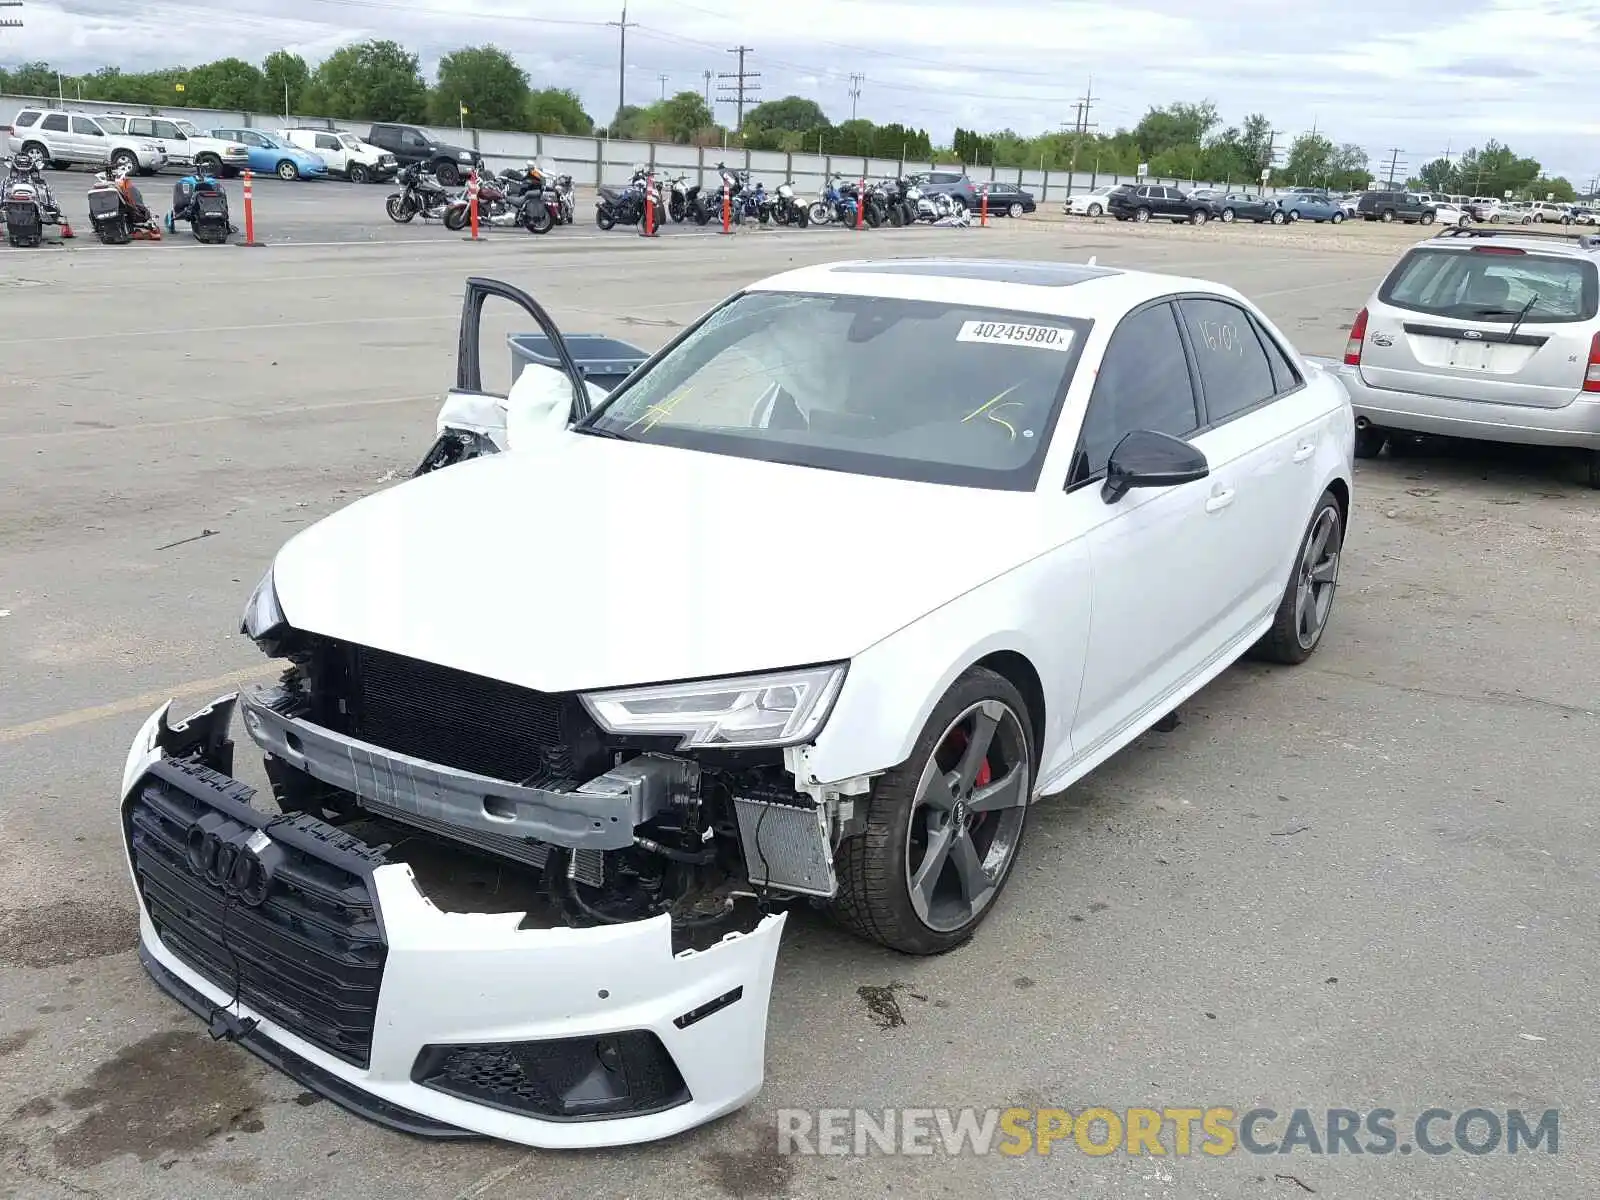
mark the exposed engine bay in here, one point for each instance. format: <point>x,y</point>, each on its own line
<point>598,829</point>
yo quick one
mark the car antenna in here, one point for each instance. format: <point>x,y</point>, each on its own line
<point>1093,258</point>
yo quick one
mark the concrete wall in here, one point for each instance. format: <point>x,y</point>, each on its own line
<point>596,161</point>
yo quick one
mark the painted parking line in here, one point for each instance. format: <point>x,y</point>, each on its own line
<point>130,704</point>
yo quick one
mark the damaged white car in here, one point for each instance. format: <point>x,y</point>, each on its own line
<point>813,605</point>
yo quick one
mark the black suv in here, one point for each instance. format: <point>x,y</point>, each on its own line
<point>410,145</point>
<point>1394,206</point>
<point>1141,202</point>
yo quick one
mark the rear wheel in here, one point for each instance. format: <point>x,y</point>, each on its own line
<point>539,220</point>
<point>1388,215</point>
<point>944,827</point>
<point>1308,599</point>
<point>1141,215</point>
<point>1199,217</point>
<point>1594,469</point>
<point>604,219</point>
<point>1370,441</point>
<point>1097,210</point>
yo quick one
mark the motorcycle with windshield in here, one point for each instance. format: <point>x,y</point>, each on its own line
<point>117,211</point>
<point>423,196</point>
<point>626,205</point>
<point>675,192</point>
<point>28,205</point>
<point>834,207</point>
<point>789,209</point>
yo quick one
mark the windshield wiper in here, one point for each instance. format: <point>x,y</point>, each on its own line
<point>1532,300</point>
<point>598,431</point>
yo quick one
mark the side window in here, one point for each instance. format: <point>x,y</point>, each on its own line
<point>55,123</point>
<point>166,129</point>
<point>327,142</point>
<point>25,120</point>
<point>1143,384</point>
<point>251,139</point>
<point>414,140</point>
<point>1233,367</point>
<point>86,127</point>
<point>1284,375</point>
<point>139,127</point>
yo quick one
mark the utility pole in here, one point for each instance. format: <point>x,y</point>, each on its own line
<point>1081,125</point>
<point>1394,162</point>
<point>741,87</point>
<point>622,28</point>
<point>1272,158</point>
<point>855,92</point>
<point>663,77</point>
<point>708,75</point>
<point>10,22</point>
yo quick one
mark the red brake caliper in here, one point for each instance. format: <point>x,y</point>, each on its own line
<point>984,776</point>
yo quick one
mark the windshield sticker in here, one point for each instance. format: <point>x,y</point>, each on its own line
<point>1040,337</point>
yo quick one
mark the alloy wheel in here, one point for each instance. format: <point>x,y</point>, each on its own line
<point>1318,576</point>
<point>966,818</point>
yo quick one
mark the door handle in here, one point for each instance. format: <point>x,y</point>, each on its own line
<point>1304,452</point>
<point>1218,501</point>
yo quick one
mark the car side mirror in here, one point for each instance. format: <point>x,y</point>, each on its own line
<point>1147,459</point>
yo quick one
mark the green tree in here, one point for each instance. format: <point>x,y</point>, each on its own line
<point>29,79</point>
<point>557,110</point>
<point>488,82</point>
<point>284,78</point>
<point>228,83</point>
<point>372,81</point>
<point>1494,169</point>
<point>1310,161</point>
<point>1177,124</point>
<point>681,116</point>
<point>792,114</point>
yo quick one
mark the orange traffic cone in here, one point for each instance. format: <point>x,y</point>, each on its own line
<point>66,230</point>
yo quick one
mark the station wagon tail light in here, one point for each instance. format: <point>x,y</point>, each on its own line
<point>1591,376</point>
<point>1358,334</point>
<point>1497,250</point>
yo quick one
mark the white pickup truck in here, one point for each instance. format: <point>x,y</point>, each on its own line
<point>346,154</point>
<point>186,145</point>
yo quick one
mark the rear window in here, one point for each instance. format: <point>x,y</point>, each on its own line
<point>26,119</point>
<point>1494,284</point>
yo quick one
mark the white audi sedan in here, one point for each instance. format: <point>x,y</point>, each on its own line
<point>815,604</point>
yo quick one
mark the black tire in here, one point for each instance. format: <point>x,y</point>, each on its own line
<point>702,215</point>
<point>1287,641</point>
<point>1337,218</point>
<point>1280,218</point>
<point>1370,441</point>
<point>457,219</point>
<point>125,158</point>
<point>1097,210</point>
<point>358,173</point>
<point>446,172</point>
<point>872,216</point>
<point>37,152</point>
<point>675,208</point>
<point>1015,211</point>
<point>541,222</point>
<point>287,171</point>
<point>399,209</point>
<point>604,219</point>
<point>1427,219</point>
<point>874,900</point>
<point>1199,217</point>
<point>1228,216</point>
<point>210,164</point>
<point>1386,216</point>
<point>1593,469</point>
<point>1141,215</point>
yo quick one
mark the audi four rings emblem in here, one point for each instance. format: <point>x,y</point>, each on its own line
<point>228,855</point>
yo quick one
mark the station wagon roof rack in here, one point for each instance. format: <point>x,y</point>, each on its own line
<point>1586,241</point>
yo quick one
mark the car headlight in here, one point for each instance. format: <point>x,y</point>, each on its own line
<point>464,156</point>
<point>263,616</point>
<point>780,708</point>
<point>148,147</point>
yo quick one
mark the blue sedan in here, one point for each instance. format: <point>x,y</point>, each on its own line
<point>1304,207</point>
<point>275,155</point>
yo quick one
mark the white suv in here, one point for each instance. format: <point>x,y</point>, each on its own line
<point>346,154</point>
<point>64,139</point>
<point>1484,333</point>
<point>186,146</point>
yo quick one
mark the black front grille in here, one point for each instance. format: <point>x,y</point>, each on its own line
<point>310,957</point>
<point>460,720</point>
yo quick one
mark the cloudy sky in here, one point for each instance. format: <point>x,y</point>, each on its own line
<point>1423,76</point>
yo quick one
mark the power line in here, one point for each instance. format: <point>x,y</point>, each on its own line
<point>855,92</point>
<point>622,28</point>
<point>741,85</point>
<point>10,22</point>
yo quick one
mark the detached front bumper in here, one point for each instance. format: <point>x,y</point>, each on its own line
<point>442,1024</point>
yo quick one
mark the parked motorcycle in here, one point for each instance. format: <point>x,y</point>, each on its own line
<point>28,204</point>
<point>495,206</point>
<point>117,211</point>
<point>201,201</point>
<point>789,209</point>
<point>834,207</point>
<point>422,195</point>
<point>895,192</point>
<point>566,205</point>
<point>676,193</point>
<point>626,205</point>
<point>752,203</point>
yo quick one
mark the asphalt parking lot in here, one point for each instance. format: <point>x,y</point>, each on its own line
<point>1363,883</point>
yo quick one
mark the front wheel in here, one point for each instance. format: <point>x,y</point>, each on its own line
<point>447,174</point>
<point>208,164</point>
<point>1336,218</point>
<point>456,218</point>
<point>943,828</point>
<point>1279,218</point>
<point>287,171</point>
<point>1014,211</point>
<point>124,160</point>
<point>819,213</point>
<point>400,209</point>
<point>677,209</point>
<point>1228,216</point>
<point>1427,218</point>
<point>1308,599</point>
<point>359,173</point>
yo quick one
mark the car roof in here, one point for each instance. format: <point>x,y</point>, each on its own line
<point>1570,244</point>
<point>1055,288</point>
